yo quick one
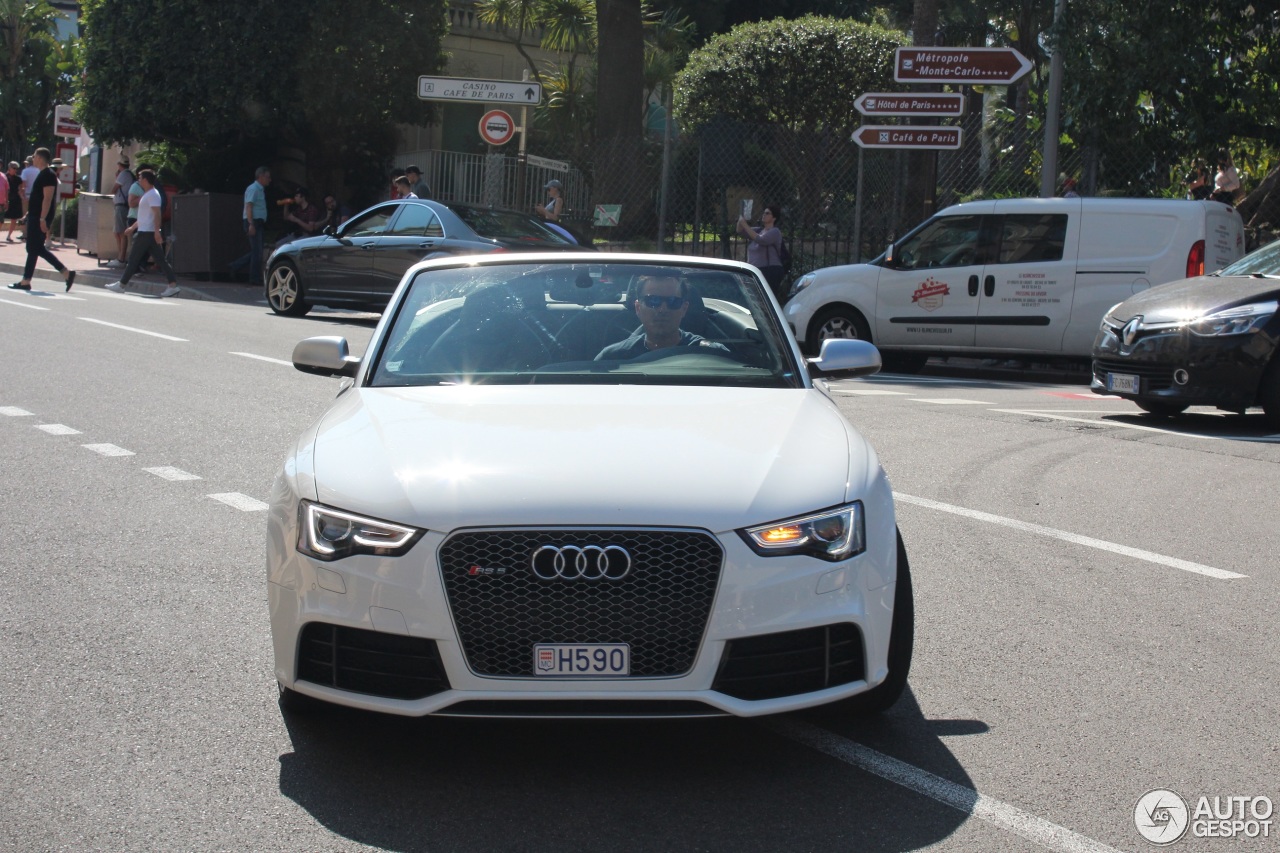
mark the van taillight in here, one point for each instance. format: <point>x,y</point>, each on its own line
<point>1195,260</point>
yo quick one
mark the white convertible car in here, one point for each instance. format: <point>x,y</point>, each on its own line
<point>585,485</point>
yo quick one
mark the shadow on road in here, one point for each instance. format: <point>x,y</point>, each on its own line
<point>719,784</point>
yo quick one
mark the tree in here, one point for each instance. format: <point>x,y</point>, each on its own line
<point>619,106</point>
<point>36,72</point>
<point>238,82</point>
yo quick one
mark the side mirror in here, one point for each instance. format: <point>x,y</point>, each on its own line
<point>847,356</point>
<point>330,231</point>
<point>889,256</point>
<point>325,356</point>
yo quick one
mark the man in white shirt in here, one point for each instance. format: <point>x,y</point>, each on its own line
<point>150,239</point>
<point>29,174</point>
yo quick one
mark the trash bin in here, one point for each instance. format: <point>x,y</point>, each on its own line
<point>207,235</point>
<point>95,227</point>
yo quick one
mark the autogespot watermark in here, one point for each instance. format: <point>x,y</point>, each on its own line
<point>1163,817</point>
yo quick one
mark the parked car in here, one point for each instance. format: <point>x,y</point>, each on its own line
<point>1205,341</point>
<point>526,502</point>
<point>1012,277</point>
<point>359,264</point>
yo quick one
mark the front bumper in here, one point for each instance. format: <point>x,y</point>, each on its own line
<point>1175,366</point>
<point>840,612</point>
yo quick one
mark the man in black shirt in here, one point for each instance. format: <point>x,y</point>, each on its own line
<point>661,304</point>
<point>39,221</point>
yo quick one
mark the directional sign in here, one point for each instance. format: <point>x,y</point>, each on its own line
<point>998,66</point>
<point>907,104</point>
<point>63,123</point>
<point>479,91</point>
<point>908,136</point>
<point>497,127</point>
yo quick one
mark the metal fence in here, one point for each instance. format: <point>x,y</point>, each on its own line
<point>497,180</point>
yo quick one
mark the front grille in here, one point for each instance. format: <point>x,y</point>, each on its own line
<point>1154,377</point>
<point>790,663</point>
<point>371,662</point>
<point>604,708</point>
<point>502,609</point>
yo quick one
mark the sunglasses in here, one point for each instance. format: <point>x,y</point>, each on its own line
<point>656,302</point>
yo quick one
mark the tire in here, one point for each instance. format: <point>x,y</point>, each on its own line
<point>883,696</point>
<point>838,321</point>
<point>1161,410</point>
<point>1269,394</point>
<point>284,291</point>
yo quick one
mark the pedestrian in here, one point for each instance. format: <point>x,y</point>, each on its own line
<point>336,213</point>
<point>1226,181</point>
<point>396,174</point>
<point>417,185</point>
<point>14,189</point>
<point>551,209</point>
<point>29,172</point>
<point>1199,185</point>
<point>150,238</point>
<point>764,248</point>
<point>120,203</point>
<point>1069,188</point>
<point>307,218</point>
<point>40,205</point>
<point>401,187</point>
<point>254,221</point>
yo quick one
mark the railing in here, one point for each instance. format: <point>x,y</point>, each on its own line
<point>493,180</point>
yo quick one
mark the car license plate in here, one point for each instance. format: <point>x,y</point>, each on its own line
<point>1125,383</point>
<point>600,660</point>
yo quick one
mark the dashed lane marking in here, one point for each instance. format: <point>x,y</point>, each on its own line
<point>14,412</point>
<point>950,401</point>
<point>108,450</point>
<point>995,812</point>
<point>1052,414</point>
<point>57,429</point>
<point>244,503</point>
<point>24,305</point>
<point>1075,538</point>
<point>166,472</point>
<point>132,329</point>
<point>264,358</point>
<point>130,296</point>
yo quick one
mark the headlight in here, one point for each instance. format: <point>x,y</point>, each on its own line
<point>331,534</point>
<point>803,282</point>
<point>1234,321</point>
<point>834,534</point>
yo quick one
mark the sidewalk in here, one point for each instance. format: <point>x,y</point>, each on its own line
<point>90,274</point>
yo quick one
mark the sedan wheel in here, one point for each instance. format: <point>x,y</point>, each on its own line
<point>284,292</point>
<point>902,633</point>
<point>1269,394</point>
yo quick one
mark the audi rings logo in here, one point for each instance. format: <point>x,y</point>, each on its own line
<point>581,562</point>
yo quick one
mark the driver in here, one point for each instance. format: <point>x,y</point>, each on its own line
<point>662,302</point>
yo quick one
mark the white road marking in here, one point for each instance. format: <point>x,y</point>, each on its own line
<point>950,401</point>
<point>129,295</point>
<point>132,329</point>
<point>24,305</point>
<point>871,392</point>
<point>58,429</point>
<point>244,503</point>
<point>264,358</point>
<point>1075,538</point>
<point>14,412</point>
<point>966,800</point>
<point>166,472</point>
<point>1051,414</point>
<point>108,449</point>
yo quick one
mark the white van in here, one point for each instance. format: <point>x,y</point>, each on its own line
<point>1012,276</point>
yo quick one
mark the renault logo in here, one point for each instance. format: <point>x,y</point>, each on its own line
<point>1129,333</point>
<point>581,562</point>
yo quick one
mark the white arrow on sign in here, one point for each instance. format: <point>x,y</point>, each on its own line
<point>454,89</point>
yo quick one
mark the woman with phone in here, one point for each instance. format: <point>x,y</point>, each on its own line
<point>764,248</point>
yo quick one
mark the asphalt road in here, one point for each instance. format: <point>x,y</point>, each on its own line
<point>1096,618</point>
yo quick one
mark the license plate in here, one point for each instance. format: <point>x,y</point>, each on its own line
<point>599,660</point>
<point>1125,383</point>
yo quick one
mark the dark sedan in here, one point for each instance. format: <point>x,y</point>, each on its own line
<point>360,263</point>
<point>1206,341</point>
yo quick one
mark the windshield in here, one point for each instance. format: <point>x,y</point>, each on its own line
<point>509,226</point>
<point>599,323</point>
<point>1265,261</point>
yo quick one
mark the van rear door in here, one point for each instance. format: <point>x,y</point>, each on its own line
<point>1028,287</point>
<point>928,295</point>
<point>1224,236</point>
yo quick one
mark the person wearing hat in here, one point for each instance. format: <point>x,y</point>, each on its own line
<point>120,203</point>
<point>551,210</point>
<point>417,185</point>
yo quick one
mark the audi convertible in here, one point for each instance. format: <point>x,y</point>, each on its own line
<point>578,485</point>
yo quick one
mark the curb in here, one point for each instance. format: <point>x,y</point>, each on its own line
<point>225,292</point>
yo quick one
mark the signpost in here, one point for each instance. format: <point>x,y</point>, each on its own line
<point>497,127</point>
<point>908,136</point>
<point>460,89</point>
<point>996,66</point>
<point>608,214</point>
<point>63,123</point>
<point>908,104</point>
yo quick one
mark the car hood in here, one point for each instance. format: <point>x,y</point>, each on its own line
<point>1195,297</point>
<point>457,456</point>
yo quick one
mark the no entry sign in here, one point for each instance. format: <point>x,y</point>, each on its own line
<point>497,127</point>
